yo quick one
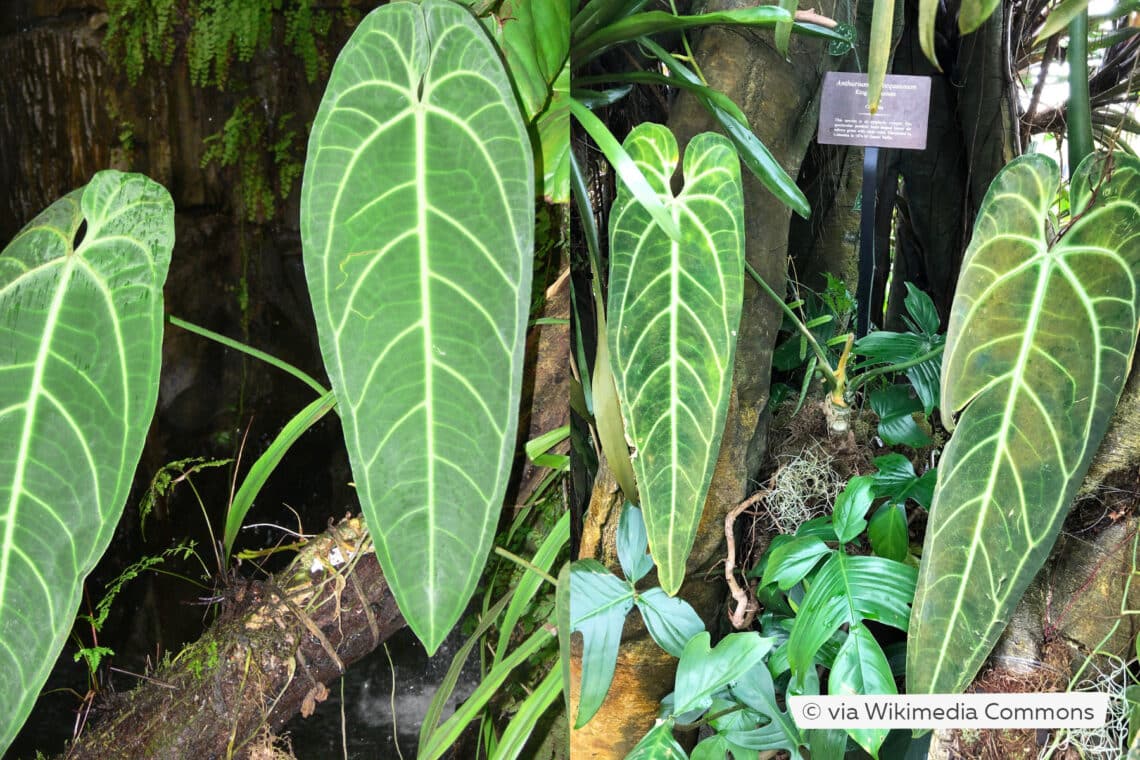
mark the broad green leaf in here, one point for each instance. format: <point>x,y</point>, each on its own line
<point>534,42</point>
<point>670,621</point>
<point>792,560</point>
<point>888,532</point>
<point>417,225</point>
<point>658,744</point>
<point>974,13</point>
<point>884,347</point>
<point>896,407</point>
<point>702,671</point>
<point>599,602</point>
<point>897,481</point>
<point>655,22</point>
<point>850,514</point>
<point>674,310</point>
<point>80,350</point>
<point>632,544</point>
<point>921,310</point>
<point>1040,341</point>
<point>847,590</point>
<point>879,50</point>
<point>861,668</point>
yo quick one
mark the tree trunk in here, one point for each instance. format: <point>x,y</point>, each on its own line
<point>268,656</point>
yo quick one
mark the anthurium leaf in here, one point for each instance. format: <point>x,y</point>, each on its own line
<point>80,349</point>
<point>419,272</point>
<point>888,532</point>
<point>879,50</point>
<point>927,15</point>
<point>703,671</point>
<point>533,39</point>
<point>793,559</point>
<point>974,13</point>
<point>896,480</point>
<point>632,178</point>
<point>847,590</point>
<point>674,308</point>
<point>632,544</point>
<point>895,407</point>
<point>670,621</point>
<point>599,602</point>
<point>849,516</point>
<point>658,744</point>
<point>553,127</point>
<point>752,152</point>
<point>654,22</point>
<point>757,690</point>
<point>1040,341</point>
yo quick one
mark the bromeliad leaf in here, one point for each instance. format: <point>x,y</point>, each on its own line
<point>1040,340</point>
<point>674,309</point>
<point>80,349</point>
<point>417,225</point>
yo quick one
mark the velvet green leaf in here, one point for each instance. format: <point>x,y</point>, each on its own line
<point>80,351</point>
<point>674,308</point>
<point>417,225</point>
<point>1040,342</point>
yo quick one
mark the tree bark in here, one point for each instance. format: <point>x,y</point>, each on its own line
<point>268,656</point>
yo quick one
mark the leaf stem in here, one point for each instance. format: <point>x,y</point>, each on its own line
<point>526,565</point>
<point>824,365</point>
<point>900,367</point>
<point>236,345</point>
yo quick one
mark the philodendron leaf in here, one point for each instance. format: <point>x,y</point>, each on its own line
<point>674,308</point>
<point>80,350</point>
<point>658,744</point>
<point>632,546</point>
<point>1040,340</point>
<point>599,602</point>
<point>861,668</point>
<point>417,223</point>
<point>703,671</point>
<point>670,621</point>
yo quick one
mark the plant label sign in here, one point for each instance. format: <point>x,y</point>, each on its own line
<point>900,122</point>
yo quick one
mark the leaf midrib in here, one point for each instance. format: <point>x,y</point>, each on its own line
<point>1013,374</point>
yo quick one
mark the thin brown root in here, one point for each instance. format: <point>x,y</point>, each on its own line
<point>746,604</point>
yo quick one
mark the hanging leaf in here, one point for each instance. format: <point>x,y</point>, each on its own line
<point>599,602</point>
<point>674,309</point>
<point>417,224</point>
<point>861,668</point>
<point>670,621</point>
<point>974,13</point>
<point>1040,341</point>
<point>879,50</point>
<point>80,349</point>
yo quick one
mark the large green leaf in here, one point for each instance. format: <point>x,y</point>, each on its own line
<point>417,224</point>
<point>1040,340</point>
<point>80,349</point>
<point>599,602</point>
<point>674,308</point>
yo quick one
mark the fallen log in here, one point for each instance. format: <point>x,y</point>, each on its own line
<point>269,655</point>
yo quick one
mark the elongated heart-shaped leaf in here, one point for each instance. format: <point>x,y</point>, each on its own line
<point>417,224</point>
<point>670,620</point>
<point>1040,340</point>
<point>862,668</point>
<point>80,349</point>
<point>674,308</point>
